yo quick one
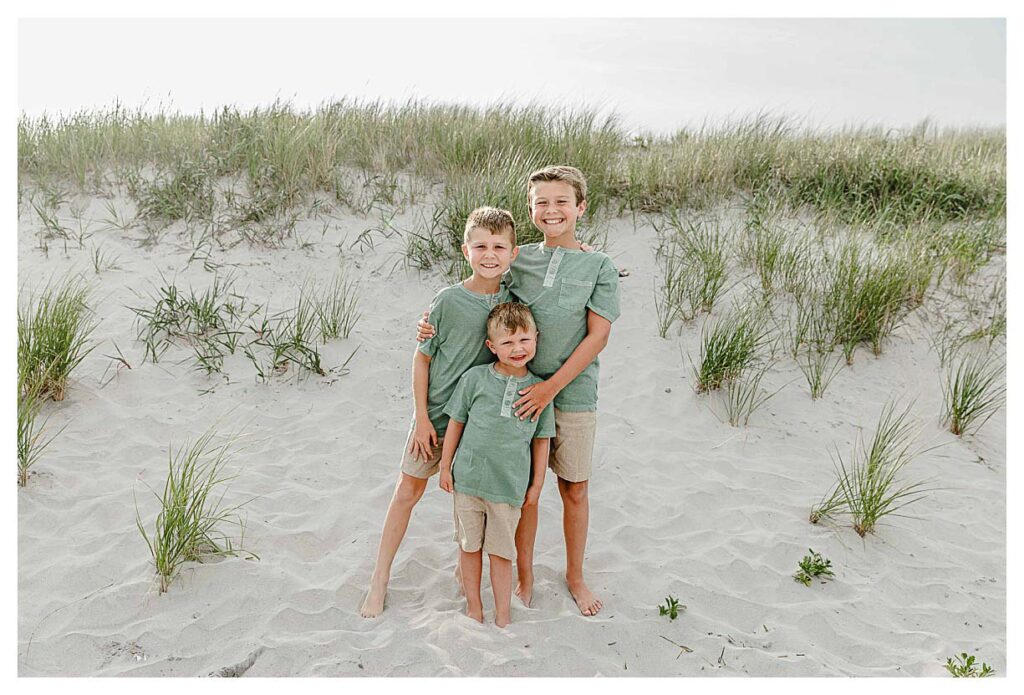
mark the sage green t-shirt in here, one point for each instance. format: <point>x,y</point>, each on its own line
<point>493,460</point>
<point>560,285</point>
<point>460,317</point>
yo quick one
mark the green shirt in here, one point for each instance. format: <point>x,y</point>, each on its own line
<point>559,285</point>
<point>494,457</point>
<point>460,317</point>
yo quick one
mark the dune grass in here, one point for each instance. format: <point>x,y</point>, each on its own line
<point>973,392</point>
<point>53,337</point>
<point>692,257</point>
<point>30,429</point>
<point>868,489</point>
<point>729,345</point>
<point>743,394</point>
<point>190,524</point>
<point>172,164</point>
<point>337,308</point>
<point>175,314</point>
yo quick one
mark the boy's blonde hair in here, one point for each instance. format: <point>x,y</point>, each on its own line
<point>570,175</point>
<point>510,316</point>
<point>494,220</point>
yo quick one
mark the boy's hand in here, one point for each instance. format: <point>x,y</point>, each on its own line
<point>532,496</point>
<point>446,480</point>
<point>423,437</point>
<point>535,398</point>
<point>423,329</point>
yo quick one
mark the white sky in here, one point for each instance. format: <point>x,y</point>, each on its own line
<point>658,74</point>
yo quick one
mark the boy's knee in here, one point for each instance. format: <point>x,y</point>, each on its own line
<point>410,490</point>
<point>574,493</point>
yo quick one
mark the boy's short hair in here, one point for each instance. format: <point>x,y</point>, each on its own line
<point>570,175</point>
<point>511,316</point>
<point>494,220</point>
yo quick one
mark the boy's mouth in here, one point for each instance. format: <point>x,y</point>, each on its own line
<point>560,220</point>
<point>490,266</point>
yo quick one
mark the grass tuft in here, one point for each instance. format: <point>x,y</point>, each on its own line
<point>974,391</point>
<point>189,526</point>
<point>53,337</point>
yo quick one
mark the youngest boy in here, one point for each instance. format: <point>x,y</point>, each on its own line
<point>491,475</point>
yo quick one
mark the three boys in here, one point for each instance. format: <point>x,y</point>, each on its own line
<point>574,299</point>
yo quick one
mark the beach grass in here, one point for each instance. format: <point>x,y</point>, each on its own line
<point>53,337</point>
<point>337,308</point>
<point>190,525</point>
<point>692,256</point>
<point>172,164</point>
<point>30,428</point>
<point>973,392</point>
<point>869,486</point>
<point>186,314</point>
<point>729,345</point>
<point>743,395</point>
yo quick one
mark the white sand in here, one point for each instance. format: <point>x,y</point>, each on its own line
<point>681,504</point>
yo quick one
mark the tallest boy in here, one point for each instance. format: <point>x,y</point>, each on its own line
<point>574,297</point>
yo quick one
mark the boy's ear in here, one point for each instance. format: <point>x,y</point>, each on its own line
<point>465,251</point>
<point>490,347</point>
<point>515,252</point>
<point>582,207</point>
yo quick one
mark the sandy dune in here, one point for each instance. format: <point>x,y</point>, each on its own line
<point>681,503</point>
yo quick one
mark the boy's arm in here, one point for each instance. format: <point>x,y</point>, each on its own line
<point>424,436</point>
<point>536,397</point>
<point>539,454</point>
<point>451,443</point>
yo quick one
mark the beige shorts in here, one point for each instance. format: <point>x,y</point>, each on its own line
<point>572,449</point>
<point>482,524</point>
<point>416,466</point>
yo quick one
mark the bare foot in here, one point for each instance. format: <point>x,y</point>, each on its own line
<point>586,601</point>
<point>374,603</point>
<point>502,620</point>
<point>476,615</point>
<point>524,590</point>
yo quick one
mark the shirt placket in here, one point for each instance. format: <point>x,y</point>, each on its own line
<point>510,395</point>
<point>556,259</point>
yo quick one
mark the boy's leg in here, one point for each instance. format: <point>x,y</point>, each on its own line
<point>469,533</point>
<point>571,456</point>
<point>526,538</point>
<point>575,521</point>
<point>412,481</point>
<point>500,528</point>
<point>472,567</point>
<point>408,492</point>
<point>501,585</point>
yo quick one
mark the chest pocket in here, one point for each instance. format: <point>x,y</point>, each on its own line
<point>573,294</point>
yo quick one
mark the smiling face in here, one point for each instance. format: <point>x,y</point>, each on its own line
<point>513,348</point>
<point>489,254</point>
<point>554,210</point>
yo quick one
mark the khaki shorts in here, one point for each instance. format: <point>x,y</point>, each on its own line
<point>415,466</point>
<point>572,449</point>
<point>482,524</point>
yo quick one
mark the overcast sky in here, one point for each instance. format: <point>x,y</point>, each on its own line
<point>658,74</point>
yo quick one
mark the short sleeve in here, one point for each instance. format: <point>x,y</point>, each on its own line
<point>604,300</point>
<point>430,346</point>
<point>458,404</point>
<point>545,423</point>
